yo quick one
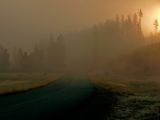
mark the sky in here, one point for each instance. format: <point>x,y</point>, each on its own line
<point>24,21</point>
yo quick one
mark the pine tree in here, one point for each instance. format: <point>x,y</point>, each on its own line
<point>61,52</point>
<point>156,24</point>
<point>140,16</point>
<point>135,19</point>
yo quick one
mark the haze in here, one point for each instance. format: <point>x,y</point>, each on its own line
<point>26,21</point>
<point>80,59</point>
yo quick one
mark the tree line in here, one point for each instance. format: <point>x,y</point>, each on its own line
<point>154,36</point>
<point>50,58</point>
<point>104,41</point>
<point>88,49</point>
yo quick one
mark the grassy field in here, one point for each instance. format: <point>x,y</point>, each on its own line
<point>19,82</point>
<point>130,98</point>
<point>138,99</point>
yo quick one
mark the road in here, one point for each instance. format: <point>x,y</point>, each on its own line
<point>61,94</point>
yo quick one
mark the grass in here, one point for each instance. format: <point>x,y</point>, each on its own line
<point>138,99</point>
<point>19,82</point>
<point>116,97</point>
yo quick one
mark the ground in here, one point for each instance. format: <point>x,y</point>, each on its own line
<point>137,98</point>
<point>19,82</point>
<point>115,97</point>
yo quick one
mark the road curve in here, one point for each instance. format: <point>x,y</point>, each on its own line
<point>61,94</point>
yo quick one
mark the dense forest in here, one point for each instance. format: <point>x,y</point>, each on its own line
<point>48,57</point>
<point>96,46</point>
<point>87,50</point>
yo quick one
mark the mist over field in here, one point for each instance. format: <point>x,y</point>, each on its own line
<point>80,59</point>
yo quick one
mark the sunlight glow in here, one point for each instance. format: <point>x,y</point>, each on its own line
<point>156,14</point>
<point>153,14</point>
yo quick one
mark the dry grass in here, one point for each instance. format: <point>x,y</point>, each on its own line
<point>139,99</point>
<point>11,83</point>
<point>127,84</point>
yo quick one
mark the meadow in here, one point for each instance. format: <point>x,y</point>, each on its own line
<point>20,82</point>
<point>137,99</point>
<point>119,97</point>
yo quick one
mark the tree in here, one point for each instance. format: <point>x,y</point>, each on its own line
<point>117,19</point>
<point>129,20</point>
<point>61,52</point>
<point>135,19</point>
<point>17,60</point>
<point>50,54</point>
<point>122,19</point>
<point>140,13</point>
<point>4,59</point>
<point>156,24</point>
<point>36,59</point>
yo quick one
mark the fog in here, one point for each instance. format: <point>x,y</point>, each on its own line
<point>73,34</point>
<point>80,59</point>
<point>26,21</point>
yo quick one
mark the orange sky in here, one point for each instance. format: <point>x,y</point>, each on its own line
<point>27,20</point>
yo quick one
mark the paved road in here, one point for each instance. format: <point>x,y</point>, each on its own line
<point>61,94</point>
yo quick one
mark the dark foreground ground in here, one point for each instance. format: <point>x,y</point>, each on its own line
<point>76,98</point>
<point>99,106</point>
<point>69,98</point>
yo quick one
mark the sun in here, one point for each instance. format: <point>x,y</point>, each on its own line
<point>150,16</point>
<point>156,17</point>
<point>156,14</point>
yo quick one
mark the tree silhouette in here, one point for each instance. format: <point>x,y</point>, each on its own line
<point>156,24</point>
<point>140,13</point>
<point>117,19</point>
<point>61,52</point>
<point>4,59</point>
<point>99,43</point>
<point>135,19</point>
